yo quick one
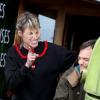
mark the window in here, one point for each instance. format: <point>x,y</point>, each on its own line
<point>47,27</point>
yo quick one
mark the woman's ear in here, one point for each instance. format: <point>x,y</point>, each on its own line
<point>20,33</point>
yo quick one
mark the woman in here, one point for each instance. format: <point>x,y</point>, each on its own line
<point>32,67</point>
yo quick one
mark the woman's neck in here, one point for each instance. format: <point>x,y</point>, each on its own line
<point>26,46</point>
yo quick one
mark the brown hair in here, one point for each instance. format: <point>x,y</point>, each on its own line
<point>88,43</point>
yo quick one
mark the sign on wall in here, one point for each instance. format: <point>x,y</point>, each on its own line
<point>8,16</point>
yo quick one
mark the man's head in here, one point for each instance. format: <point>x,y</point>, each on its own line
<point>85,53</point>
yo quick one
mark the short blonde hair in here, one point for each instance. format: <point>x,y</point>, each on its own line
<point>25,20</point>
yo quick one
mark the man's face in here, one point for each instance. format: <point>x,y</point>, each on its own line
<point>84,56</point>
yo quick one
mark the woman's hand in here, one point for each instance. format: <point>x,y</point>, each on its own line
<point>31,57</point>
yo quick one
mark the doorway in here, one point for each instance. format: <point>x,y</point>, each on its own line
<point>80,29</point>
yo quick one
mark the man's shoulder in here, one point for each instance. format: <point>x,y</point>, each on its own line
<point>67,72</point>
<point>63,78</point>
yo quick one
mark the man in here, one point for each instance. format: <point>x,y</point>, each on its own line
<point>69,86</point>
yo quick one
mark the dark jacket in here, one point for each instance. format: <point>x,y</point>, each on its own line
<point>40,83</point>
<point>65,91</point>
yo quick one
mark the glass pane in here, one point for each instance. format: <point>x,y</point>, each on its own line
<point>47,28</point>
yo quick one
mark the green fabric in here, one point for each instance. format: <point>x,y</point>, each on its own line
<point>87,97</point>
<point>92,83</point>
<point>83,77</point>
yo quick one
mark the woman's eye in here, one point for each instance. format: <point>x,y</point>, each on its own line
<point>37,32</point>
<point>31,33</point>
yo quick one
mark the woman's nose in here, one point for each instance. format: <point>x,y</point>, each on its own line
<point>34,36</point>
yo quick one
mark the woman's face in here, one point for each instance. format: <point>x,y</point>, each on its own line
<point>30,38</point>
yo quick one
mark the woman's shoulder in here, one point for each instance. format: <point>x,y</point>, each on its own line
<point>51,44</point>
<point>11,50</point>
<point>56,46</point>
